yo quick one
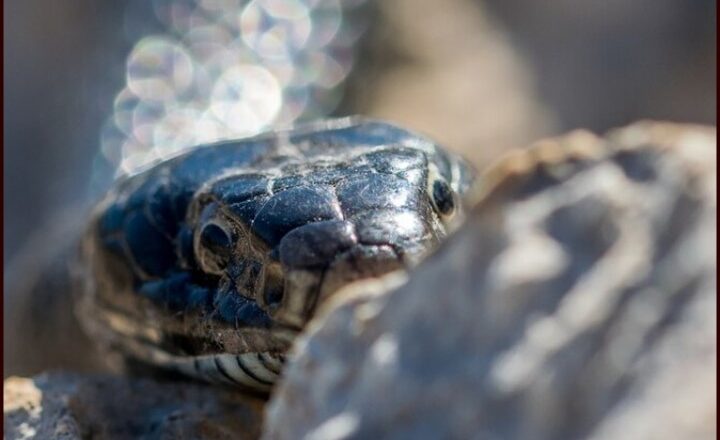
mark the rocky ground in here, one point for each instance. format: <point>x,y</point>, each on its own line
<point>73,406</point>
<point>577,300</point>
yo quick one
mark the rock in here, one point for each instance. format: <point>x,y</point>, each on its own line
<point>73,406</point>
<point>578,300</point>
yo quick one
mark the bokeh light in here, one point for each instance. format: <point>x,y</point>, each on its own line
<point>246,99</point>
<point>227,69</point>
<point>159,69</point>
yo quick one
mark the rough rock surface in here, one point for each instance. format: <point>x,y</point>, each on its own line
<point>577,301</point>
<point>66,406</point>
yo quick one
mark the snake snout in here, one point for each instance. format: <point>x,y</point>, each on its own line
<point>304,254</point>
<point>320,258</point>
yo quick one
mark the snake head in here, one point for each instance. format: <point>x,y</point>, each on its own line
<point>291,236</point>
<point>231,247</point>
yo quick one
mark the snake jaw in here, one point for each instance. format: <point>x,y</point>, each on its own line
<point>307,288</point>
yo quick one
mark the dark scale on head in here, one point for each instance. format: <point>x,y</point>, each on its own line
<point>243,236</point>
<point>292,208</point>
<point>360,193</point>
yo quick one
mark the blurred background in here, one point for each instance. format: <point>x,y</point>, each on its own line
<point>96,89</point>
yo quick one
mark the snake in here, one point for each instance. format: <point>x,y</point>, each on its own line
<point>210,263</point>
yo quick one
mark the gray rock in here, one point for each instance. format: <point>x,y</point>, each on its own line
<point>69,406</point>
<point>577,301</point>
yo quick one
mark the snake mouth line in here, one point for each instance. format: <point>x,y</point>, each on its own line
<point>254,370</point>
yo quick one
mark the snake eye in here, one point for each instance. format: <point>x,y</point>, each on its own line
<point>214,247</point>
<point>443,197</point>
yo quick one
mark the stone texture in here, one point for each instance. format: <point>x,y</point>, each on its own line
<point>69,406</point>
<point>577,301</point>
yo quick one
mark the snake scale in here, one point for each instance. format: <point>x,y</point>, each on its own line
<point>211,262</point>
